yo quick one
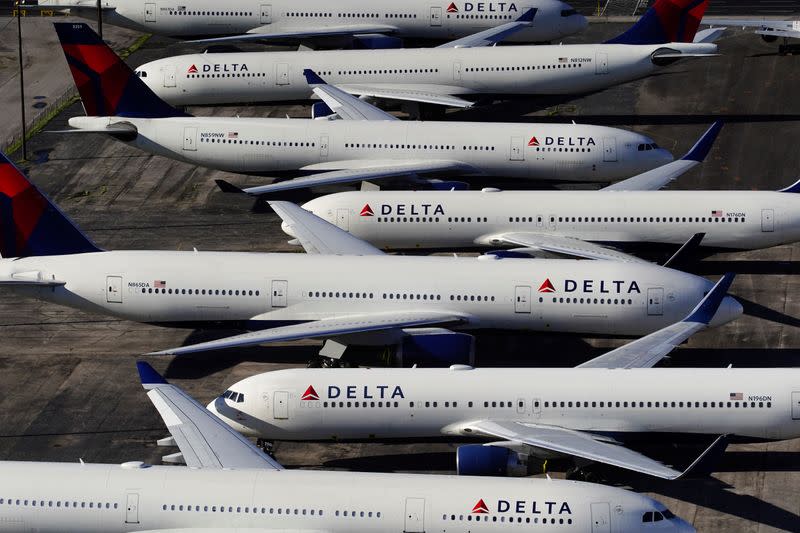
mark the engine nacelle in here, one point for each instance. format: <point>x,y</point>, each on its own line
<point>435,347</point>
<point>481,460</point>
<point>769,38</point>
<point>376,42</point>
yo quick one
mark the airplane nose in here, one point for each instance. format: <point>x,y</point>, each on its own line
<point>581,22</point>
<point>730,309</point>
<point>212,406</point>
<point>682,526</point>
<point>663,156</point>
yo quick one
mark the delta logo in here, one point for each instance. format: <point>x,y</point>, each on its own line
<point>310,394</point>
<point>480,508</point>
<point>452,8</point>
<point>533,142</point>
<point>485,7</point>
<point>192,70</point>
<point>546,286</point>
<point>367,211</point>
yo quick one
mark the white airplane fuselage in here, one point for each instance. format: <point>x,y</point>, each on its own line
<point>262,145</point>
<point>172,288</point>
<point>377,403</point>
<point>741,220</point>
<point>216,78</point>
<point>412,19</point>
<point>81,498</point>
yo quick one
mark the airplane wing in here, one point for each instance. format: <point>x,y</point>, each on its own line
<point>422,93</point>
<point>650,349</point>
<point>563,245</point>
<point>319,236</point>
<point>345,105</point>
<point>327,327</point>
<point>203,439</point>
<point>659,177</point>
<point>380,169</point>
<point>265,33</point>
<point>496,34</point>
<point>77,4</point>
<point>582,444</point>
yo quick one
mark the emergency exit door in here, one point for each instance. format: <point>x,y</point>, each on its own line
<point>767,220</point>
<point>655,301</point>
<point>415,515</point>
<point>132,508</point>
<point>114,289</point>
<point>436,16</point>
<point>279,289</point>
<point>601,518</point>
<point>796,405</point>
<point>517,149</point>
<point>149,12</point>
<point>190,139</point>
<point>266,13</point>
<point>522,299</point>
<point>280,405</point>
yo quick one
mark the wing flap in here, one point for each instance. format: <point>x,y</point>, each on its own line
<point>565,245</point>
<point>575,443</point>
<point>329,327</point>
<point>425,94</point>
<point>203,439</point>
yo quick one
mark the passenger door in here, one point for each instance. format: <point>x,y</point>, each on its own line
<point>281,74</point>
<point>767,220</point>
<point>280,405</point>
<point>522,299</point>
<point>457,71</point>
<point>601,518</point>
<point>343,219</point>
<point>132,508</point>
<point>415,515</point>
<point>266,13</point>
<point>190,139</point>
<point>655,301</point>
<point>169,76</point>
<point>517,149</point>
<point>323,147</point>
<point>610,149</point>
<point>436,16</point>
<point>796,405</point>
<point>114,289</point>
<point>601,63</point>
<point>280,288</point>
<point>149,12</point>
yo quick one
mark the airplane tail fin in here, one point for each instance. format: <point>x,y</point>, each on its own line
<point>108,87</point>
<point>667,21</point>
<point>30,224</point>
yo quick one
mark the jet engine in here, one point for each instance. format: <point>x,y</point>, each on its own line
<point>376,42</point>
<point>487,460</point>
<point>769,38</point>
<point>436,347</point>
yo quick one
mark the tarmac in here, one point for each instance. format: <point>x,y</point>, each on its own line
<point>68,384</point>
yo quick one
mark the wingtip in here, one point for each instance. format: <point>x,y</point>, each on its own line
<point>528,15</point>
<point>148,374</point>
<point>312,78</point>
<point>709,305</point>
<point>701,148</point>
<point>225,186</point>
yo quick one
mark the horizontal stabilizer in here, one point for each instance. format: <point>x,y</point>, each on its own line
<point>709,35</point>
<point>123,131</point>
<point>650,349</point>
<point>659,177</point>
<point>264,33</point>
<point>794,187</point>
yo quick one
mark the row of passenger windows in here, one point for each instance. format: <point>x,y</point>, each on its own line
<point>59,504</point>
<point>354,15</point>
<point>688,405</point>
<point>511,519</point>
<point>224,75</point>
<point>602,301</point>
<point>287,511</point>
<point>212,13</point>
<point>215,292</point>
<point>635,219</point>
<point>482,17</point>
<point>351,404</point>
<point>390,71</point>
<point>338,294</point>
<point>419,146</point>
<point>555,149</point>
<point>257,143</point>
<point>524,67</point>
<point>408,219</point>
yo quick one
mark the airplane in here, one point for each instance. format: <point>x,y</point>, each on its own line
<point>343,290</point>
<point>591,412</point>
<point>608,223</point>
<point>349,22</point>
<point>231,486</point>
<point>365,143</point>
<point>455,74</point>
<point>769,30</point>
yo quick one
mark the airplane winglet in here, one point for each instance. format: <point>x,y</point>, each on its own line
<point>685,250</point>
<point>703,145</point>
<point>312,78</point>
<point>149,376</point>
<point>702,466</point>
<point>528,15</point>
<point>794,187</point>
<point>225,186</point>
<point>708,306</point>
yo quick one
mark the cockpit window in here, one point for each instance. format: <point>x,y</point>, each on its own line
<point>141,73</point>
<point>568,12</point>
<point>656,516</point>
<point>669,515</point>
<point>643,147</point>
<point>647,517</point>
<point>237,397</point>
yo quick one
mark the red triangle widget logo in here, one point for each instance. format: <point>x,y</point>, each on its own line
<point>452,8</point>
<point>192,70</point>
<point>533,142</point>
<point>366,211</point>
<point>310,394</point>
<point>547,286</point>
<point>480,508</point>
